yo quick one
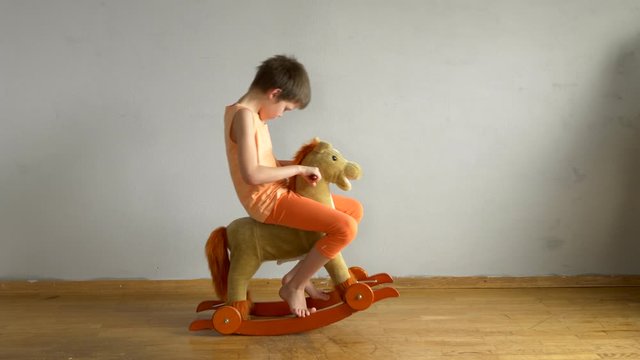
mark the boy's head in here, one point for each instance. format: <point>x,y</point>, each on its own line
<point>288,75</point>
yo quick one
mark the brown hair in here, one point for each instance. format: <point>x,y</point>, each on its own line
<point>285,73</point>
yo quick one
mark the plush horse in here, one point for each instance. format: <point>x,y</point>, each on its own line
<point>251,242</point>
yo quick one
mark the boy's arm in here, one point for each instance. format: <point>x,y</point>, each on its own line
<point>252,172</point>
<point>285,162</point>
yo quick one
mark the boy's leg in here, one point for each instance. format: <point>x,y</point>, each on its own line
<point>293,291</point>
<point>349,206</point>
<point>308,287</point>
<point>295,211</point>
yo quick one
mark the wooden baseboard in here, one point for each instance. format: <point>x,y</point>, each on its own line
<point>125,286</point>
<point>507,282</point>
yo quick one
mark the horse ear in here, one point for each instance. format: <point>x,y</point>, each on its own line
<point>323,145</point>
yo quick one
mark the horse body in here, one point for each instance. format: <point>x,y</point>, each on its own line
<point>251,243</point>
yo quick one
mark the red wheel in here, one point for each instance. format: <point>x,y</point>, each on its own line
<point>359,296</point>
<point>358,272</point>
<point>226,320</point>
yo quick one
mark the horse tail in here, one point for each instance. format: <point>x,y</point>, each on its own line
<point>218,258</point>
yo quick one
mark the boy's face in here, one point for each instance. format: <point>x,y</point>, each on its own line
<point>275,108</point>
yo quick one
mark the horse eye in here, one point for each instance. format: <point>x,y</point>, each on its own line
<point>334,158</point>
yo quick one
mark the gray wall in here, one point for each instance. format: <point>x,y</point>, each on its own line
<point>496,137</point>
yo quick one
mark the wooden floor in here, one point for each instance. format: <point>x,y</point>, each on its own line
<point>529,323</point>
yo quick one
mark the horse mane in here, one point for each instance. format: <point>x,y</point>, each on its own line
<point>300,155</point>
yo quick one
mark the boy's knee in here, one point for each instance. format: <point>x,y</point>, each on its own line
<point>343,231</point>
<point>348,228</point>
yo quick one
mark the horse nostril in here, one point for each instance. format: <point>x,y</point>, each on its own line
<point>352,171</point>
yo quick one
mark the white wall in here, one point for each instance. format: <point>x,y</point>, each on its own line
<point>496,137</point>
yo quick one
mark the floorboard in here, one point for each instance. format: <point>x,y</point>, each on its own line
<point>505,323</point>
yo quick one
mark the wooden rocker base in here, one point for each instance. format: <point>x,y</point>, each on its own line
<point>359,296</point>
<point>281,308</point>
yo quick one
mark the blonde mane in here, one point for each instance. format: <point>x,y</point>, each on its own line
<point>300,155</point>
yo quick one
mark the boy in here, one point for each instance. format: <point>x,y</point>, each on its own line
<point>281,84</point>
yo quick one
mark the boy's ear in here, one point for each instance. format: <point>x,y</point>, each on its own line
<point>274,93</point>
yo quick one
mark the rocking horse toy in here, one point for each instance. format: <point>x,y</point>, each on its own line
<point>251,243</point>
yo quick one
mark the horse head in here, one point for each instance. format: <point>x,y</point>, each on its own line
<point>331,163</point>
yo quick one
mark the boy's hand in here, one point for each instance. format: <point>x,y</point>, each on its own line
<point>311,175</point>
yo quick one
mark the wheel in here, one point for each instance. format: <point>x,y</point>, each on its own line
<point>359,296</point>
<point>226,320</point>
<point>358,272</point>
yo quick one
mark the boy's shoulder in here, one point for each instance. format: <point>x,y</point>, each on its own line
<point>242,112</point>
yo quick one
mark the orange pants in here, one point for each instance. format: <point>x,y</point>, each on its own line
<point>339,225</point>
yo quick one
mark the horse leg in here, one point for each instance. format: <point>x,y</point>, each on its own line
<point>339,273</point>
<point>241,271</point>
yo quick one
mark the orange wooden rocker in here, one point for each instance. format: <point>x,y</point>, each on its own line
<point>250,243</point>
<point>273,318</point>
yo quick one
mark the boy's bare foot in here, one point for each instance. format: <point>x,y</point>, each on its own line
<point>314,292</point>
<point>296,300</point>
<point>309,288</point>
